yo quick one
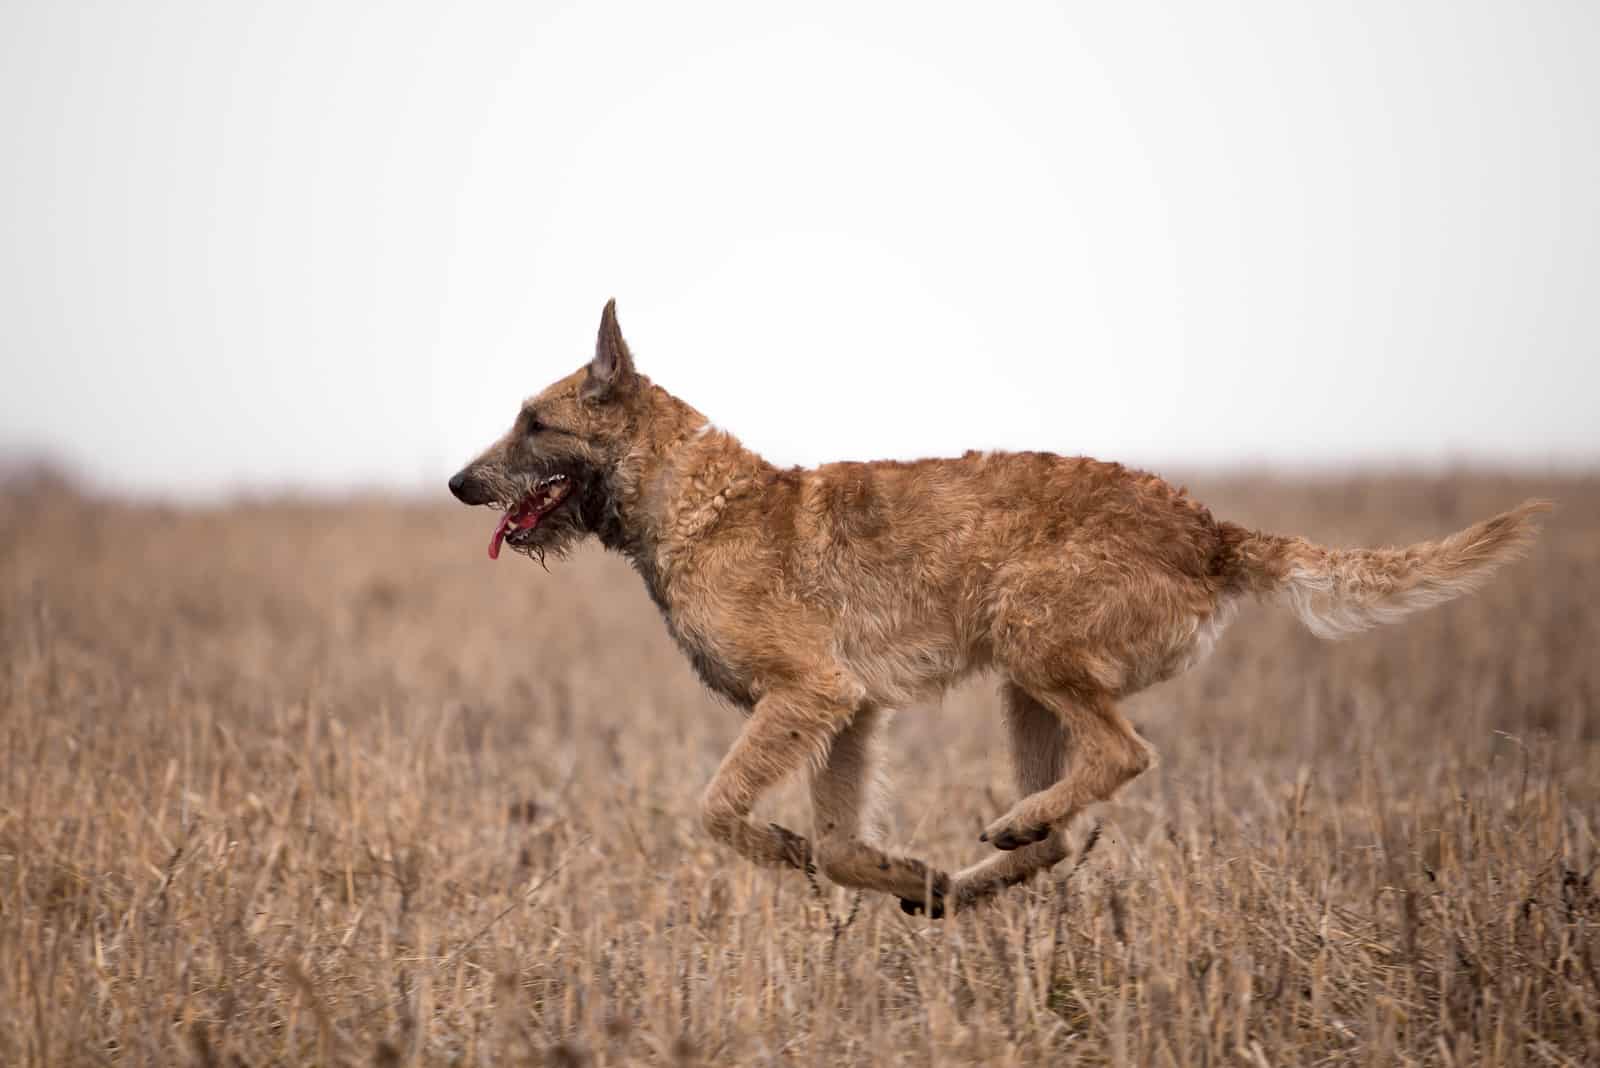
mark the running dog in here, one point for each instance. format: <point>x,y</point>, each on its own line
<point>816,600</point>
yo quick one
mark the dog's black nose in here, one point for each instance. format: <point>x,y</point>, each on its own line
<point>460,485</point>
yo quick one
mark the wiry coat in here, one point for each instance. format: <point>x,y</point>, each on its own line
<point>815,599</point>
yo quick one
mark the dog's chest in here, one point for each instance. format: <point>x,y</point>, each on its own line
<point>715,671</point>
<point>719,676</point>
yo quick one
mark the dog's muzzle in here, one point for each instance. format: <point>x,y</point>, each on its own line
<point>469,490</point>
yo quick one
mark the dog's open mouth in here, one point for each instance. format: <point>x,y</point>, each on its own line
<point>522,517</point>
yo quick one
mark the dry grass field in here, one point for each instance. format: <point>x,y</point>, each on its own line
<point>316,783</point>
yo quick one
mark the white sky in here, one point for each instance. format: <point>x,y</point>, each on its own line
<point>323,244</point>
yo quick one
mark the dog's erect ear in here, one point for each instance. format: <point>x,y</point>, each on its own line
<point>611,370</point>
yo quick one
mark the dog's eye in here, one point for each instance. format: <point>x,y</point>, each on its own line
<point>534,426</point>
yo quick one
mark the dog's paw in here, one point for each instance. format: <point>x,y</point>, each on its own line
<point>916,908</point>
<point>912,906</point>
<point>1003,834</point>
<point>793,849</point>
<point>938,888</point>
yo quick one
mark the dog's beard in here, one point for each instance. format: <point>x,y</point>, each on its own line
<point>541,513</point>
<point>556,534</point>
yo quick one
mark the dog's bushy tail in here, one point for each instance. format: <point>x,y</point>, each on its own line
<point>1338,592</point>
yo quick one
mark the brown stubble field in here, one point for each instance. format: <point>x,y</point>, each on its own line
<point>316,783</point>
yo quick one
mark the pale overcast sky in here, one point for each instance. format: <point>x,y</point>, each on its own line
<point>327,244</point>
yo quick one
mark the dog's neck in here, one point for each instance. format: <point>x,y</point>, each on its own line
<point>673,487</point>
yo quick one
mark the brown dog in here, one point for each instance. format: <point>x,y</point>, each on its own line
<point>816,599</point>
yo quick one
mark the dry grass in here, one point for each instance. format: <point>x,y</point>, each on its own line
<point>293,783</point>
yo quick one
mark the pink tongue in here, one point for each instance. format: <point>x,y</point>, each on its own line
<point>499,536</point>
<point>515,520</point>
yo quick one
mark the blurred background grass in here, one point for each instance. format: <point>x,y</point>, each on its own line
<point>303,781</point>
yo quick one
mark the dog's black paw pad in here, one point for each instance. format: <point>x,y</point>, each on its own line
<point>913,907</point>
<point>1009,840</point>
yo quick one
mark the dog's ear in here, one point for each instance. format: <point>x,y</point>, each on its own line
<point>611,371</point>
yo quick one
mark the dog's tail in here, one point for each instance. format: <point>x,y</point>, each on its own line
<point>1337,592</point>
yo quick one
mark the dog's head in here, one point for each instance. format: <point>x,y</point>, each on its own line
<point>553,473</point>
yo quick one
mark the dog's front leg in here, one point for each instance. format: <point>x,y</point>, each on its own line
<point>786,731</point>
<point>844,807</point>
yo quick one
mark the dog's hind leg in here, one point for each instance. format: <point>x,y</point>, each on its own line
<point>786,731</point>
<point>1106,753</point>
<point>1038,761</point>
<point>847,826</point>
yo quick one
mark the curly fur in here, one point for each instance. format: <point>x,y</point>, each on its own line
<point>816,599</point>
